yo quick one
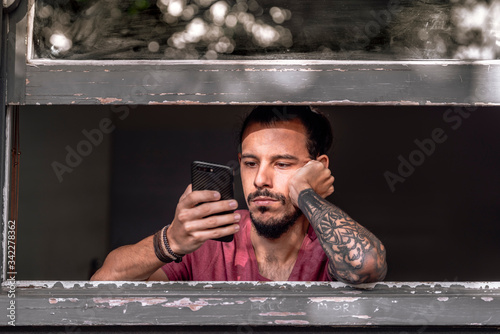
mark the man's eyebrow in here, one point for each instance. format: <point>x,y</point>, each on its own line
<point>274,157</point>
<point>284,156</point>
<point>251,156</point>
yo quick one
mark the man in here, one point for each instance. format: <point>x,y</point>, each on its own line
<point>290,232</point>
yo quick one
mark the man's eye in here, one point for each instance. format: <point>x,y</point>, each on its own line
<point>250,164</point>
<point>282,165</point>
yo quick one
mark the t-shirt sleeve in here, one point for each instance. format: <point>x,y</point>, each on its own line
<point>178,271</point>
<point>196,265</point>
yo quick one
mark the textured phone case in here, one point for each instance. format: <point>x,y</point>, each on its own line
<point>209,176</point>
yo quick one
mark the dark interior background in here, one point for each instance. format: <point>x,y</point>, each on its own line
<point>440,224</point>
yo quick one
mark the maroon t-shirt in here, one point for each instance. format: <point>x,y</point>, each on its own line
<point>235,261</point>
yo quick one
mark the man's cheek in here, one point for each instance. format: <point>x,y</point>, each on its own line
<point>247,187</point>
<point>282,186</point>
<point>244,178</point>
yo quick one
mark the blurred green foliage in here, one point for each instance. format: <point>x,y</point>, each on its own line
<point>137,6</point>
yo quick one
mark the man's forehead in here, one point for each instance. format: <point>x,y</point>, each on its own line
<point>292,125</point>
<point>278,137</point>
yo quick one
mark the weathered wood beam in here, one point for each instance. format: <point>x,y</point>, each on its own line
<point>414,304</point>
<point>259,82</point>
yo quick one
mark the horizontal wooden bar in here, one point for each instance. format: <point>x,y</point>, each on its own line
<point>416,304</point>
<point>263,82</point>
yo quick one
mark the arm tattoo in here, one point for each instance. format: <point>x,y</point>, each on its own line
<point>355,255</point>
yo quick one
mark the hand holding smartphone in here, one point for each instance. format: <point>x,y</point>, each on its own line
<point>209,176</point>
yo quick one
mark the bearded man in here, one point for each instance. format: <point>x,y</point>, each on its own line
<point>289,232</point>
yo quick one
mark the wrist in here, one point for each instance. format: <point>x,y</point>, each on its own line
<point>159,248</point>
<point>302,186</point>
<point>169,251</point>
<point>162,248</point>
<point>295,189</point>
<point>174,247</point>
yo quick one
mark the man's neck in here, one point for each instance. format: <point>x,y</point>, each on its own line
<point>276,257</point>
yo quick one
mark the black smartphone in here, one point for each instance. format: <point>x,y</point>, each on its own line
<point>210,176</point>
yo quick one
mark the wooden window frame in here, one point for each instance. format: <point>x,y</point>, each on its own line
<point>240,306</point>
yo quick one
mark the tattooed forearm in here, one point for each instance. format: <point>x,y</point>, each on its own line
<point>355,254</point>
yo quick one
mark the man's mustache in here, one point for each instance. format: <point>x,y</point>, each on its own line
<point>267,193</point>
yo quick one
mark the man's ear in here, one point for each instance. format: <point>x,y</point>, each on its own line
<point>239,158</point>
<point>324,160</point>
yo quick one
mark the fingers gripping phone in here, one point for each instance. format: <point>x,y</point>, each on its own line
<point>209,176</point>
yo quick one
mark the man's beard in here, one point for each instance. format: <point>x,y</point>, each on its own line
<point>273,228</point>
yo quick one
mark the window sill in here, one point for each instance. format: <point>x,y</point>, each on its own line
<point>416,304</point>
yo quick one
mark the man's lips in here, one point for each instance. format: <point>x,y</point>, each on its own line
<point>261,201</point>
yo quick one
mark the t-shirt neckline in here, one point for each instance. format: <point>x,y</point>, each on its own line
<point>311,236</point>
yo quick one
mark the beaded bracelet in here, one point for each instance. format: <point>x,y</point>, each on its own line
<point>177,257</point>
<point>159,252</point>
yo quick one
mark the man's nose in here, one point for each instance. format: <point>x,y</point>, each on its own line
<point>264,177</point>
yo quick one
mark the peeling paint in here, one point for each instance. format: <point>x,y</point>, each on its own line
<point>260,70</point>
<point>361,316</point>
<point>309,70</point>
<point>281,314</point>
<point>145,301</point>
<point>148,302</point>
<point>291,322</point>
<point>286,284</point>
<point>408,103</point>
<point>432,285</point>
<point>334,299</point>
<point>107,100</point>
<point>60,300</point>
<point>186,302</point>
<point>283,70</point>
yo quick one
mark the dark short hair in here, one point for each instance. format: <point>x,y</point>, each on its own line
<point>318,128</point>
